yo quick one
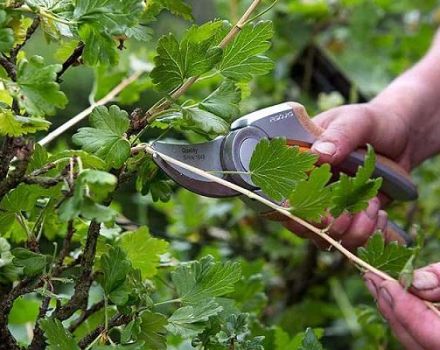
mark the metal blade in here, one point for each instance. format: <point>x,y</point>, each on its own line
<point>206,156</point>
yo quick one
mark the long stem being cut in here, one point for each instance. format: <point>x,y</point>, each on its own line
<point>319,232</point>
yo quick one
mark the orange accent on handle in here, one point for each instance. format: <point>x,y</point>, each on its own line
<point>316,131</point>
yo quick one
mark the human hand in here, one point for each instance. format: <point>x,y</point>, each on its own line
<point>414,325</point>
<point>346,129</point>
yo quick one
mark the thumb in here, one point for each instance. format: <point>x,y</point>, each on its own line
<point>426,282</point>
<point>346,131</point>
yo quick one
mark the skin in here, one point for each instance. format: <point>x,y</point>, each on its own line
<point>402,123</point>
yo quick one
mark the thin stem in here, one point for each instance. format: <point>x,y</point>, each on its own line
<point>76,119</point>
<point>228,172</point>
<point>172,301</point>
<point>262,13</point>
<point>319,232</point>
<point>165,104</point>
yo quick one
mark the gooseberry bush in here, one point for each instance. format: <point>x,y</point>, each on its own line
<point>75,272</point>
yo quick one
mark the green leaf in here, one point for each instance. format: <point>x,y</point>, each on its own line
<point>99,20</point>
<point>224,101</point>
<point>36,88</point>
<point>6,34</point>
<point>100,47</point>
<point>176,7</point>
<point>235,327</point>
<point>204,122</point>
<point>390,258</point>
<point>88,160</point>
<point>242,59</point>
<point>143,250</point>
<point>106,136</point>
<point>205,279</point>
<point>14,125</point>
<point>153,330</point>
<point>310,341</point>
<point>189,321</point>
<point>111,15</point>
<point>91,186</point>
<point>310,198</point>
<point>193,56</point>
<point>353,193</point>
<point>32,263</point>
<point>115,267</point>
<point>24,310</point>
<point>195,119</point>
<point>58,338</point>
<point>276,168</point>
<point>137,346</point>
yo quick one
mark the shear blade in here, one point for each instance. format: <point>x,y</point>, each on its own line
<point>205,156</point>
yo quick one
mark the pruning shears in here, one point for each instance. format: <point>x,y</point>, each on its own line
<point>229,156</point>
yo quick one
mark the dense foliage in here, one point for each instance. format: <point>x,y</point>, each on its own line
<point>98,249</point>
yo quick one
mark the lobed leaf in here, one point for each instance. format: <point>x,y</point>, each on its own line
<point>192,56</point>
<point>32,263</point>
<point>143,250</point>
<point>390,258</point>
<point>36,88</point>
<point>14,125</point>
<point>353,193</point>
<point>276,168</point>
<point>106,136</point>
<point>205,279</point>
<point>223,102</point>
<point>243,58</point>
<point>58,338</point>
<point>310,198</point>
<point>153,330</point>
<point>189,321</point>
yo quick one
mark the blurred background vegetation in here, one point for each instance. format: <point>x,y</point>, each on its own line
<point>289,282</point>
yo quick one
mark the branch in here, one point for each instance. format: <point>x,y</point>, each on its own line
<point>23,154</point>
<point>7,153</point>
<point>9,67</point>
<point>76,119</point>
<point>45,182</point>
<point>319,232</point>
<point>115,321</point>
<point>80,296</point>
<point>72,59</point>
<point>66,247</point>
<point>27,285</point>
<point>164,104</point>
<point>85,315</point>
<point>29,32</point>
<point>38,340</point>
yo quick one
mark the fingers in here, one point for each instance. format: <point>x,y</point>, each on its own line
<point>351,230</point>
<point>408,315</point>
<point>343,133</point>
<point>426,282</point>
<point>362,226</point>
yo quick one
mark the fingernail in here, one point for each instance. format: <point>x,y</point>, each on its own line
<point>373,208</point>
<point>382,220</point>
<point>371,287</point>
<point>327,148</point>
<point>385,295</point>
<point>425,280</point>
